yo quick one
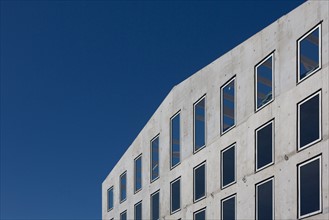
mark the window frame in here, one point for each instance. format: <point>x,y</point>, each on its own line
<point>108,190</point>
<point>151,204</point>
<point>272,121</point>
<point>319,92</point>
<point>140,202</point>
<point>124,212</point>
<point>135,173</point>
<point>272,56</point>
<point>205,182</point>
<point>225,199</point>
<point>273,196</point>
<point>151,157</point>
<point>222,132</point>
<point>221,165</point>
<point>318,157</point>
<point>319,25</point>
<point>205,123</point>
<point>180,202</point>
<point>171,139</point>
<point>120,187</point>
<point>200,210</point>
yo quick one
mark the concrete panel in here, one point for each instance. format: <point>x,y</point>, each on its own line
<point>280,37</point>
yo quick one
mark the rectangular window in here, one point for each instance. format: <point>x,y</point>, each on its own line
<point>228,106</point>
<point>200,214</point>
<point>110,198</point>
<point>138,211</point>
<point>123,215</point>
<point>264,145</point>
<point>123,187</point>
<point>264,82</point>
<point>138,173</point>
<point>228,166</point>
<point>309,53</point>
<point>155,205</point>
<point>175,196</point>
<point>175,140</point>
<point>199,179</point>
<point>309,120</point>
<point>155,159</point>
<point>309,187</point>
<point>228,208</point>
<point>265,199</point>
<point>199,124</point>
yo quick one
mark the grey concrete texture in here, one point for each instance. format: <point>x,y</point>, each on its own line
<point>280,37</point>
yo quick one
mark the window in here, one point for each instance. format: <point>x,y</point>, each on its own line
<point>200,124</point>
<point>228,166</point>
<point>138,211</point>
<point>175,140</point>
<point>123,187</point>
<point>155,205</point>
<point>199,178</point>
<point>200,215</point>
<point>138,173</point>
<point>309,187</point>
<point>110,198</point>
<point>228,208</point>
<point>155,159</point>
<point>264,82</point>
<point>228,106</point>
<point>309,53</point>
<point>175,196</point>
<point>265,199</point>
<point>123,215</point>
<point>309,121</point>
<point>264,145</point>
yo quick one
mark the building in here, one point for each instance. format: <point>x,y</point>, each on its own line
<point>245,137</point>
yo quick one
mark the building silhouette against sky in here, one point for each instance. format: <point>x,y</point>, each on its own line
<point>246,137</point>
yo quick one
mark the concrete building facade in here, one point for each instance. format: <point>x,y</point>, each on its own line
<point>246,137</point>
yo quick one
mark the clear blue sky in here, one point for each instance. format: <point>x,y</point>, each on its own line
<point>80,79</point>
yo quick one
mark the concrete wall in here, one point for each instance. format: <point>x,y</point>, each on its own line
<point>280,36</point>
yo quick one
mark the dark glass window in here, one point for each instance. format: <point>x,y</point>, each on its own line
<point>264,82</point>
<point>175,195</point>
<point>155,206</point>
<point>200,215</point>
<point>175,140</point>
<point>228,208</point>
<point>200,124</point>
<point>110,199</point>
<point>228,105</point>
<point>264,145</point>
<point>309,187</point>
<point>199,182</point>
<point>138,211</point>
<point>228,166</point>
<point>123,215</point>
<point>309,121</point>
<point>138,173</point>
<point>264,200</point>
<point>123,187</point>
<point>309,53</point>
<point>155,158</point>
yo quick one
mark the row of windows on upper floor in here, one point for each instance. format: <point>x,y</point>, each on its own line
<point>309,131</point>
<point>308,62</point>
<point>309,195</point>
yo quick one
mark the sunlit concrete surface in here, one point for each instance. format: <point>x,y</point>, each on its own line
<point>280,37</point>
